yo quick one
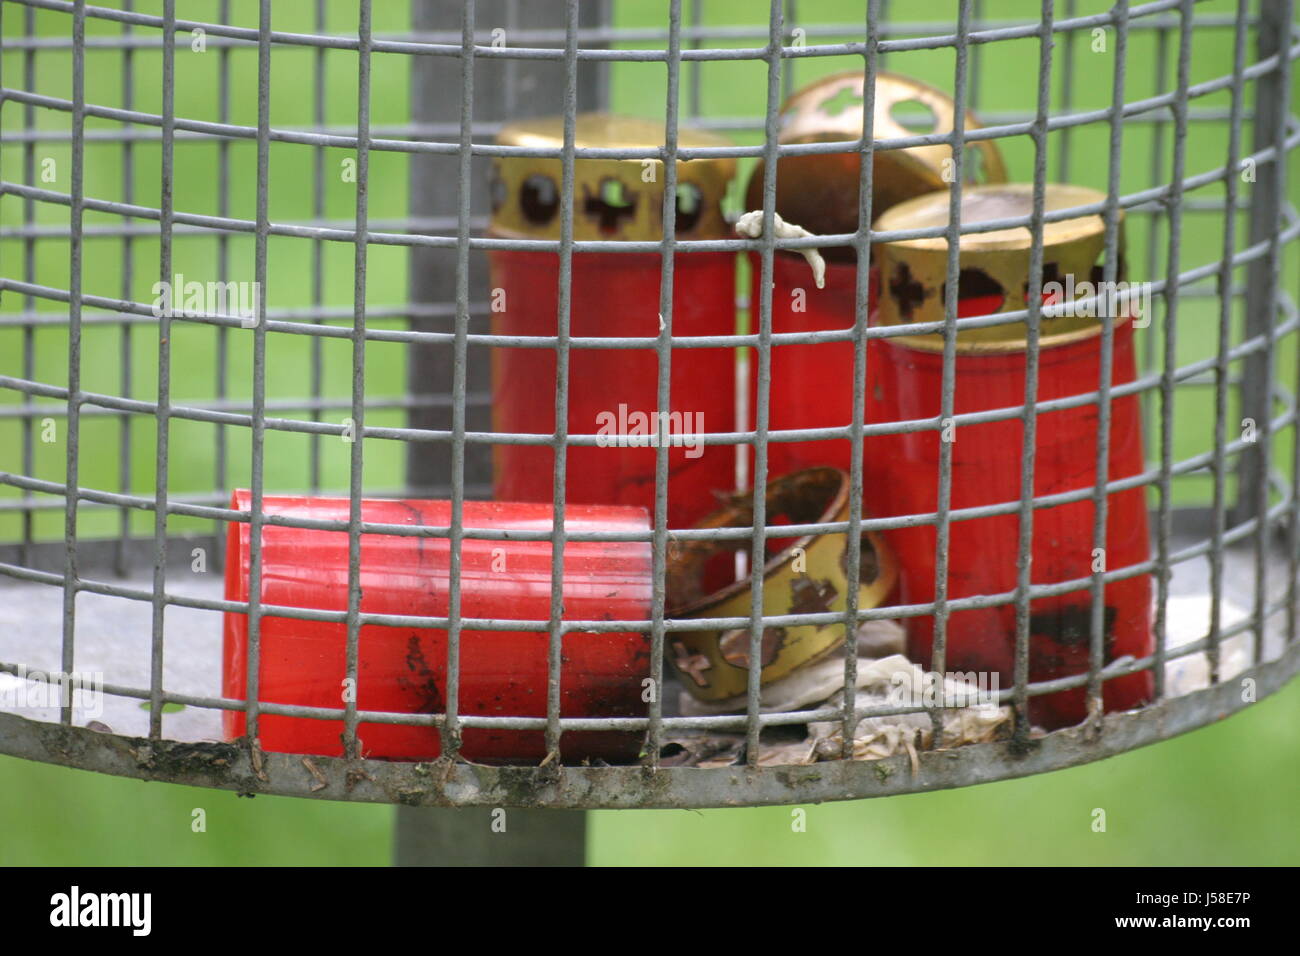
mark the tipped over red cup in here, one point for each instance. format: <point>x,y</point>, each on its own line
<point>503,671</point>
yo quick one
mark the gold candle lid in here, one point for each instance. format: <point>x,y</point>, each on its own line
<point>994,265</point>
<point>820,192</point>
<point>809,576</point>
<point>620,199</point>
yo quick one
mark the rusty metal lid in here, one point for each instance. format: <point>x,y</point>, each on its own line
<point>808,576</point>
<point>619,199</point>
<point>820,192</point>
<point>994,265</point>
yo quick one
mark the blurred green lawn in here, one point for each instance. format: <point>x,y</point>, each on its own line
<point>1227,794</point>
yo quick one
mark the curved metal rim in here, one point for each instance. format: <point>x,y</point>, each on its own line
<point>437,783</point>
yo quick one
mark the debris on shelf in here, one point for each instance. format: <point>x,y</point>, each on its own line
<point>884,676</point>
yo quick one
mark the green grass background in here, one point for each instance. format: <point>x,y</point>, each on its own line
<point>1226,794</point>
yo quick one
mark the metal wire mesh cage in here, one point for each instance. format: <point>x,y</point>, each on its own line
<point>224,273</point>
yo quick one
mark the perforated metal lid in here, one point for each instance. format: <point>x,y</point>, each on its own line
<point>613,198</point>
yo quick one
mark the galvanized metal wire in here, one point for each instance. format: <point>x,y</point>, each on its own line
<point>1253,503</point>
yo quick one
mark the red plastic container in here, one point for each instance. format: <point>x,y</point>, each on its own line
<point>902,473</point>
<point>812,385</point>
<point>612,393</point>
<point>403,669</point>
<point>615,295</point>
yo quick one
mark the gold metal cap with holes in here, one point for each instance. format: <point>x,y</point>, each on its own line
<point>619,199</point>
<point>994,265</point>
<point>809,576</point>
<point>820,192</point>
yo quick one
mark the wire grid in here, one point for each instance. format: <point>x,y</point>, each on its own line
<point>579,43</point>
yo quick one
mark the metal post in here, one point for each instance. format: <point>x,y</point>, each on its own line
<point>483,836</point>
<point>504,89</point>
<point>1261,292</point>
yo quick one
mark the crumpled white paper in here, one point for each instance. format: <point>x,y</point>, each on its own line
<point>884,676</point>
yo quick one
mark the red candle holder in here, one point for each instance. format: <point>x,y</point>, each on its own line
<point>503,671</point>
